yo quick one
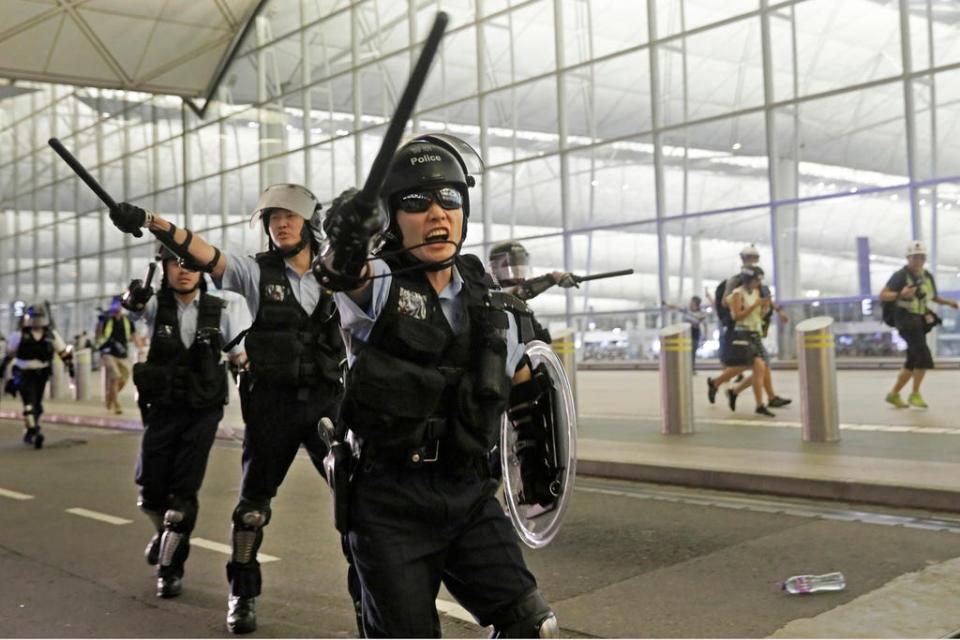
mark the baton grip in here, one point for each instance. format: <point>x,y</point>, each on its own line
<point>82,172</point>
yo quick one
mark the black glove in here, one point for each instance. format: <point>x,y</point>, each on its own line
<point>348,228</point>
<point>136,296</point>
<point>68,363</point>
<point>128,218</point>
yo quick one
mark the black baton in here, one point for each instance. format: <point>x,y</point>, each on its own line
<point>84,175</point>
<point>600,276</point>
<point>367,198</point>
<point>81,171</point>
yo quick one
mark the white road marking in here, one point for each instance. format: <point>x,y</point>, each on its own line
<point>96,515</point>
<point>454,610</point>
<point>14,495</point>
<point>226,549</point>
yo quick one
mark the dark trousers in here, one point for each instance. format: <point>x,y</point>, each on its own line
<point>173,460</point>
<point>278,421</point>
<point>694,344</point>
<point>911,328</point>
<point>413,528</point>
<point>33,382</point>
<point>174,452</point>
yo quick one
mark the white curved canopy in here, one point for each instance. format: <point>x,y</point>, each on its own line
<point>156,46</point>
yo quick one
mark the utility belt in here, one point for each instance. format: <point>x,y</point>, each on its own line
<point>432,454</point>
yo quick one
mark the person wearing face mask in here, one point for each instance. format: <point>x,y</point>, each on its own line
<point>182,389</point>
<point>911,290</point>
<point>294,349</point>
<point>434,361</point>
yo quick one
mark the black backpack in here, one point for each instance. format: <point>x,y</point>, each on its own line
<point>889,311</point>
<point>723,311</point>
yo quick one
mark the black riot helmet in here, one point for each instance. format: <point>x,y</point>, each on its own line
<point>510,263</point>
<point>35,317</point>
<point>428,161</point>
<point>296,199</point>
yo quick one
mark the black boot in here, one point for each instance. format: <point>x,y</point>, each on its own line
<point>241,615</point>
<point>169,586</point>
<point>38,440</point>
<point>30,435</point>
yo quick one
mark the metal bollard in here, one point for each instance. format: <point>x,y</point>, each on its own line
<point>59,380</point>
<point>82,360</point>
<point>819,412</point>
<point>676,380</point>
<point>565,348</point>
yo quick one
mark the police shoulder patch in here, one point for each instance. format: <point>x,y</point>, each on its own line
<point>412,303</point>
<point>275,292</point>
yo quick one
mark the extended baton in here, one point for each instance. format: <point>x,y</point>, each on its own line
<point>367,198</point>
<point>84,175</point>
<point>600,276</point>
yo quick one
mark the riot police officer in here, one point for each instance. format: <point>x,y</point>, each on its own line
<point>182,388</point>
<point>510,264</point>
<point>431,361</point>
<point>32,351</point>
<point>294,349</point>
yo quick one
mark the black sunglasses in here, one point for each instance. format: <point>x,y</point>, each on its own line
<point>448,198</point>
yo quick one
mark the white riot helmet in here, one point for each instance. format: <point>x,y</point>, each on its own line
<point>749,251</point>
<point>297,199</point>
<point>916,248</point>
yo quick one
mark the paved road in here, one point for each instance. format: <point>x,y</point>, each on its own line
<point>633,560</point>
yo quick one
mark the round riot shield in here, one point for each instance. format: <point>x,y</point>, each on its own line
<point>538,477</point>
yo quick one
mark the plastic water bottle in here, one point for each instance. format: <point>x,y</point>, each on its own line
<point>814,584</point>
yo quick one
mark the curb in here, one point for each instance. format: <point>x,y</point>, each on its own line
<point>844,491</point>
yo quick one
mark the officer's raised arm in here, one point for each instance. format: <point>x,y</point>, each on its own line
<point>192,249</point>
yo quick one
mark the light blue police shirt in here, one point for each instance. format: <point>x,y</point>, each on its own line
<point>242,275</point>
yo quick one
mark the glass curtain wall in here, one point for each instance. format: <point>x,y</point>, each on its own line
<point>657,135</point>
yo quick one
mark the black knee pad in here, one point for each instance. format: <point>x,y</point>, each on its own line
<point>529,617</point>
<point>251,515</point>
<point>181,514</point>
<point>249,519</point>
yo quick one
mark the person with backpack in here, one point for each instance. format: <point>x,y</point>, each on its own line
<point>773,399</point>
<point>745,349</point>
<point>906,299</point>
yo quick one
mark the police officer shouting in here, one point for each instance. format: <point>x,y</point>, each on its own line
<point>294,349</point>
<point>32,352</point>
<point>431,365</point>
<point>182,388</point>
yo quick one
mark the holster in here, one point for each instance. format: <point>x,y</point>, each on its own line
<point>338,468</point>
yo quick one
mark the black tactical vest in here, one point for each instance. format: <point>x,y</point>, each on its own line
<point>415,381</point>
<point>175,375</point>
<point>287,347</point>
<point>31,349</point>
